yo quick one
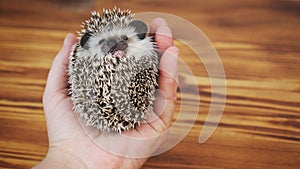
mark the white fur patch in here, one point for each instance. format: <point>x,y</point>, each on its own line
<point>136,47</point>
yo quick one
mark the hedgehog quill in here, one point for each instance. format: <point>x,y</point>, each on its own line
<point>113,71</point>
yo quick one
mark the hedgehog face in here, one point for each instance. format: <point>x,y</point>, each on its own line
<point>118,40</point>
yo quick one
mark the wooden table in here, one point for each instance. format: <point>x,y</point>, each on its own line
<point>258,42</point>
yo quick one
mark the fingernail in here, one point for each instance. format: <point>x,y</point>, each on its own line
<point>174,50</point>
<point>156,23</point>
<point>161,21</point>
<point>65,41</point>
<point>165,31</point>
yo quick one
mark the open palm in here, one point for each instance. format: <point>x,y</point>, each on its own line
<point>72,145</point>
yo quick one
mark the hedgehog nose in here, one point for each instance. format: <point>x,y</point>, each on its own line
<point>121,46</point>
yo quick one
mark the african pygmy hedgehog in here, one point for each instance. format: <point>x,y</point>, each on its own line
<point>113,71</point>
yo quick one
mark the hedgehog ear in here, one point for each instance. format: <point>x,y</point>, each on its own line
<point>84,39</point>
<point>140,27</point>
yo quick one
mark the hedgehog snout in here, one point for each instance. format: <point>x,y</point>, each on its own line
<point>121,45</point>
<point>113,45</point>
<point>118,50</point>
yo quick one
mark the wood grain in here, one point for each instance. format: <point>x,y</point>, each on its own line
<point>258,42</point>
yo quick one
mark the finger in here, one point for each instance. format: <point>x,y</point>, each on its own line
<point>57,77</point>
<point>157,23</point>
<point>163,37</point>
<point>161,123</point>
<point>164,103</point>
<point>167,116</point>
<point>168,72</point>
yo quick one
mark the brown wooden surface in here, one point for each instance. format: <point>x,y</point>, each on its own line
<point>257,40</point>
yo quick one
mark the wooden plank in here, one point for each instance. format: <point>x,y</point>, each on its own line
<point>258,43</point>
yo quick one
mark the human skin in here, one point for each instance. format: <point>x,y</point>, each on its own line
<point>69,145</point>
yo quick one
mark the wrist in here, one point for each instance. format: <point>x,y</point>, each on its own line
<point>59,159</point>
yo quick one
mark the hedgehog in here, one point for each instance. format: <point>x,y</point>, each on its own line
<point>113,71</point>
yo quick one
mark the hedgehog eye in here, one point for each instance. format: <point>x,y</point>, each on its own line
<point>101,41</point>
<point>84,39</point>
<point>124,37</point>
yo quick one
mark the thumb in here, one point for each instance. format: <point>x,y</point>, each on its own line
<point>57,77</point>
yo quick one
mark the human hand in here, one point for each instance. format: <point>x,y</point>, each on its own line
<point>74,146</point>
